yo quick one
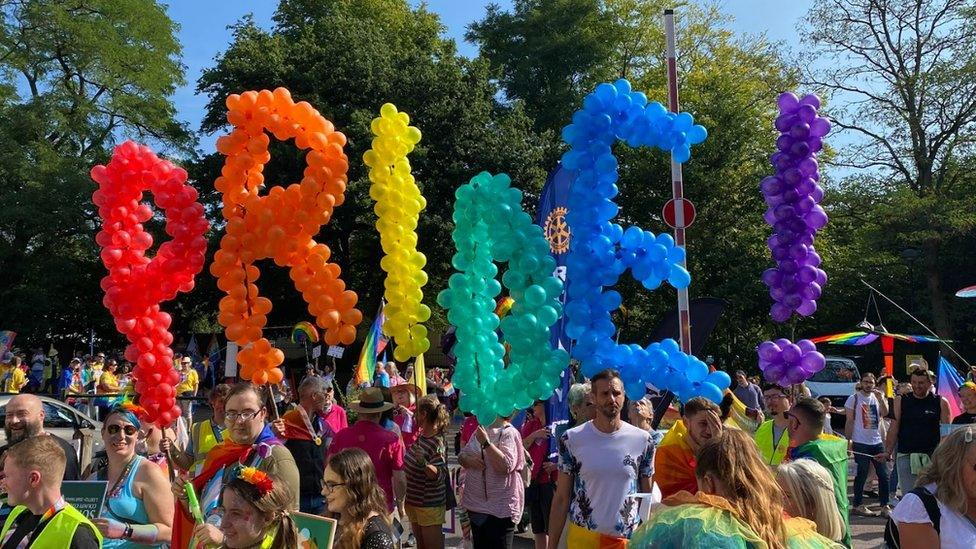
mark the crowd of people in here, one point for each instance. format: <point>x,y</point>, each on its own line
<point>379,465</point>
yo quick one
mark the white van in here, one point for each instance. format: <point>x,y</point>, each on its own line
<point>836,380</point>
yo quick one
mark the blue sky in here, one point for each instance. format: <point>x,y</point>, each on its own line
<point>204,32</point>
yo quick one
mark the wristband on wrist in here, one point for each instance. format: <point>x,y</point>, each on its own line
<point>127,533</point>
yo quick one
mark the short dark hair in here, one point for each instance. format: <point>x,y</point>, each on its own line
<point>775,387</point>
<point>221,391</point>
<point>812,412</point>
<point>740,373</point>
<point>866,374</point>
<point>605,375</point>
<point>923,372</point>
<point>246,387</point>
<point>700,404</point>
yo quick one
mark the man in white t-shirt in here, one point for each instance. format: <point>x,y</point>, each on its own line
<point>602,463</point>
<point>865,409</point>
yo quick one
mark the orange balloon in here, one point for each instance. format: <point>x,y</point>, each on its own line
<point>279,225</point>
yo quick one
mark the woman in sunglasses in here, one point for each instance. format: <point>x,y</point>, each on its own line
<point>138,506</point>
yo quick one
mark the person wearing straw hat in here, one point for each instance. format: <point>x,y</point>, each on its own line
<point>384,448</point>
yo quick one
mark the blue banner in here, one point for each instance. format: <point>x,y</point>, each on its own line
<point>551,216</point>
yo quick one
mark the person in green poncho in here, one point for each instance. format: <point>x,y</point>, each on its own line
<point>807,418</point>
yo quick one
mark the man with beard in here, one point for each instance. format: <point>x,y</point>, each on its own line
<point>675,459</point>
<point>601,464</point>
<point>25,419</point>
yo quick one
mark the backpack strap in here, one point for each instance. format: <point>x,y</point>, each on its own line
<point>931,505</point>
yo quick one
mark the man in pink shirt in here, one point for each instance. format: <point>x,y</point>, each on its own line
<point>384,448</point>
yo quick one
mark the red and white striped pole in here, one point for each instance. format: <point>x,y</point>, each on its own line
<point>677,185</point>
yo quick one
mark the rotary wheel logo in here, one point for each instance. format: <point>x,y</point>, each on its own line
<point>557,231</point>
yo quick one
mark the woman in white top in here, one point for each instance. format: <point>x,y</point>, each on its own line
<point>951,478</point>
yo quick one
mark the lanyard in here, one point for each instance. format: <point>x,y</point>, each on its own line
<point>316,435</point>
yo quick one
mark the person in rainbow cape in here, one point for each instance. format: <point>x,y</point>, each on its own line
<point>808,441</point>
<point>738,505</point>
<point>674,461</point>
<point>248,442</point>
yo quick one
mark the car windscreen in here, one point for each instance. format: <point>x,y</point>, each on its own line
<point>837,371</point>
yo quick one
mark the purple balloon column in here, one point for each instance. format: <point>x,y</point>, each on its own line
<point>793,196</point>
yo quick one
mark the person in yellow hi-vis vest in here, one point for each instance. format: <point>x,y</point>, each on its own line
<point>772,437</point>
<point>204,435</point>
<point>40,517</point>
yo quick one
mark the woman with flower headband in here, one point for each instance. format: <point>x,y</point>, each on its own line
<point>138,506</point>
<point>352,492</point>
<point>249,442</point>
<point>255,512</point>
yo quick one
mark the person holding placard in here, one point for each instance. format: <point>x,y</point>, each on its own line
<point>138,507</point>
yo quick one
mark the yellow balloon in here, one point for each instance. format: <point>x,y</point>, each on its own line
<point>398,206</point>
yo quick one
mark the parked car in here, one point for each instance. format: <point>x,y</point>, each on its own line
<point>836,382</point>
<point>61,420</point>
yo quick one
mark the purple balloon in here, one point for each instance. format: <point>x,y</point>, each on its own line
<point>817,193</point>
<point>774,373</point>
<point>791,354</point>
<point>807,113</point>
<point>821,277</point>
<point>816,218</point>
<point>780,312</point>
<point>793,176</point>
<point>816,144</point>
<point>772,277</point>
<point>811,292</point>
<point>807,308</point>
<point>812,100</point>
<point>808,166</point>
<point>769,217</point>
<point>768,351</point>
<point>771,185</point>
<point>777,293</point>
<point>800,131</point>
<point>806,346</point>
<point>818,128</point>
<point>807,274</point>
<point>784,142</point>
<point>787,102</point>
<point>784,122</point>
<point>813,361</point>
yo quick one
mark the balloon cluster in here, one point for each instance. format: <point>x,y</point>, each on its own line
<point>786,363</point>
<point>398,206</point>
<point>280,225</point>
<point>136,285</point>
<point>793,196</point>
<point>603,250</point>
<point>491,226</point>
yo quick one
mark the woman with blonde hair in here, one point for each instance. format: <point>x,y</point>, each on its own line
<point>256,511</point>
<point>809,493</point>
<point>945,491</point>
<point>352,492</point>
<point>738,504</point>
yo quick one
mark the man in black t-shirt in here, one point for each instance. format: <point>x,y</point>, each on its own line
<point>25,419</point>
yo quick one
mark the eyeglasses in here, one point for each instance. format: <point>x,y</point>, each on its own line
<point>233,417</point>
<point>128,429</point>
<point>774,396</point>
<point>330,486</point>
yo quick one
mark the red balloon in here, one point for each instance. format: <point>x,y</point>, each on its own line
<point>135,284</point>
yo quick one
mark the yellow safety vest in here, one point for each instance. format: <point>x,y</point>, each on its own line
<point>58,532</point>
<point>772,452</point>
<point>204,438</point>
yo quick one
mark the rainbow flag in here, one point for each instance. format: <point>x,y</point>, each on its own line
<point>374,345</point>
<point>865,338</point>
<point>949,383</point>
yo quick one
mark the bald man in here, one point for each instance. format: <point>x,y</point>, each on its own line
<point>25,419</point>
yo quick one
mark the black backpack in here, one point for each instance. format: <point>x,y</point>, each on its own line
<point>931,507</point>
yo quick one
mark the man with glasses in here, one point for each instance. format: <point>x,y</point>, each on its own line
<point>248,441</point>
<point>308,430</point>
<point>808,440</point>
<point>773,437</point>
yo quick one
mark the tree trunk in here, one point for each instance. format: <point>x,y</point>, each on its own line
<point>937,300</point>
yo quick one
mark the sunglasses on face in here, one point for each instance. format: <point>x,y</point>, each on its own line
<point>129,430</point>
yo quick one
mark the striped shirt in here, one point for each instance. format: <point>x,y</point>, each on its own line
<point>487,491</point>
<point>423,491</point>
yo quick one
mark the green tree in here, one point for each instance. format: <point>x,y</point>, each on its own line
<point>76,78</point>
<point>347,58</point>
<point>902,75</point>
